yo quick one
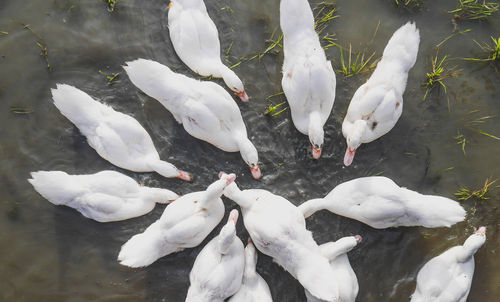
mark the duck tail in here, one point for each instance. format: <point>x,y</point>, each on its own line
<point>145,248</point>
<point>403,46</point>
<point>158,195</point>
<point>76,105</point>
<point>151,77</point>
<point>55,186</point>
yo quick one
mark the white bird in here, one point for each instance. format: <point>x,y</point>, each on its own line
<point>346,279</point>
<point>253,287</point>
<point>380,203</point>
<point>105,196</point>
<point>184,224</point>
<point>448,277</point>
<point>278,230</point>
<point>205,109</point>
<point>196,41</point>
<point>117,137</point>
<point>308,78</point>
<point>218,269</point>
<point>377,105</point>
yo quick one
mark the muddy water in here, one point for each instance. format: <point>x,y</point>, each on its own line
<point>52,253</point>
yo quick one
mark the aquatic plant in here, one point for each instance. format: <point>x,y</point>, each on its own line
<point>474,9</point>
<point>492,50</point>
<point>356,63</point>
<point>111,77</point>
<point>111,4</point>
<point>272,109</point>
<point>44,52</point>
<point>460,139</point>
<point>438,74</point>
<point>21,110</point>
<point>465,193</point>
<point>416,4</point>
<point>324,12</point>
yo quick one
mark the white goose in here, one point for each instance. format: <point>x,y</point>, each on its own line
<point>205,109</point>
<point>278,230</point>
<point>117,137</point>
<point>218,269</point>
<point>346,279</point>
<point>196,41</point>
<point>105,196</point>
<point>253,287</point>
<point>183,224</point>
<point>380,203</point>
<point>377,105</point>
<point>448,277</point>
<point>308,78</point>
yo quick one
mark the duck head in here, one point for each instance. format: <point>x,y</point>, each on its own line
<point>316,136</point>
<point>234,83</point>
<point>354,140</point>
<point>228,232</point>
<point>251,157</point>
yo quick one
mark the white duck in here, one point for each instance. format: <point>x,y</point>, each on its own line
<point>308,78</point>
<point>105,196</point>
<point>117,137</point>
<point>278,230</point>
<point>380,203</point>
<point>377,105</point>
<point>448,277</point>
<point>253,287</point>
<point>183,224</point>
<point>196,41</point>
<point>205,109</point>
<point>346,279</point>
<point>218,269</point>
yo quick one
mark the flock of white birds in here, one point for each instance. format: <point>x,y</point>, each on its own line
<point>225,268</point>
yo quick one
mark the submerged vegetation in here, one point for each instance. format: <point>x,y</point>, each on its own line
<point>44,52</point>
<point>465,193</point>
<point>111,78</point>
<point>355,63</point>
<point>275,109</point>
<point>412,4</point>
<point>438,74</point>
<point>474,9</point>
<point>111,4</point>
<point>461,140</point>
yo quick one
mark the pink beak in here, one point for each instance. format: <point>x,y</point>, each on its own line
<point>358,238</point>
<point>316,153</point>
<point>349,156</point>
<point>256,172</point>
<point>481,231</point>
<point>233,216</point>
<point>185,175</point>
<point>243,96</point>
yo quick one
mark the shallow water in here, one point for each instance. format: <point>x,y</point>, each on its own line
<point>54,254</point>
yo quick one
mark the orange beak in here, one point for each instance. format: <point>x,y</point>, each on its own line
<point>349,156</point>
<point>185,175</point>
<point>316,153</point>
<point>243,96</point>
<point>256,172</point>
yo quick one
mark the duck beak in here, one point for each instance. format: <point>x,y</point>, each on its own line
<point>481,231</point>
<point>256,172</point>
<point>358,238</point>
<point>243,96</point>
<point>185,175</point>
<point>233,216</point>
<point>316,152</point>
<point>349,156</point>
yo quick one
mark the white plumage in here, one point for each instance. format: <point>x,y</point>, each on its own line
<point>205,109</point>
<point>253,287</point>
<point>380,203</point>
<point>345,278</point>
<point>448,277</point>
<point>308,78</point>
<point>196,41</point>
<point>183,224</point>
<point>117,137</point>
<point>377,105</point>
<point>105,196</point>
<point>218,269</point>
<point>278,230</point>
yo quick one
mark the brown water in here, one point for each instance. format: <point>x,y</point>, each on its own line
<point>53,253</point>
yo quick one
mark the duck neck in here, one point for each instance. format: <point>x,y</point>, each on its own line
<point>470,247</point>
<point>332,250</point>
<point>311,206</point>
<point>234,193</point>
<point>213,192</point>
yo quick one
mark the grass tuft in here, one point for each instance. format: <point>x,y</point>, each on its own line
<point>111,4</point>
<point>111,78</point>
<point>273,109</point>
<point>474,9</point>
<point>413,4</point>
<point>44,52</point>
<point>491,50</point>
<point>465,193</point>
<point>438,74</point>
<point>460,139</point>
<point>355,63</point>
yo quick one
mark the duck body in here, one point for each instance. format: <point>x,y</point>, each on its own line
<point>277,229</point>
<point>448,277</point>
<point>196,41</point>
<point>105,196</point>
<point>308,77</point>
<point>205,109</point>
<point>185,223</point>
<point>218,269</point>
<point>377,105</point>
<point>253,287</point>
<point>381,203</point>
<point>336,253</point>
<point>117,137</point>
